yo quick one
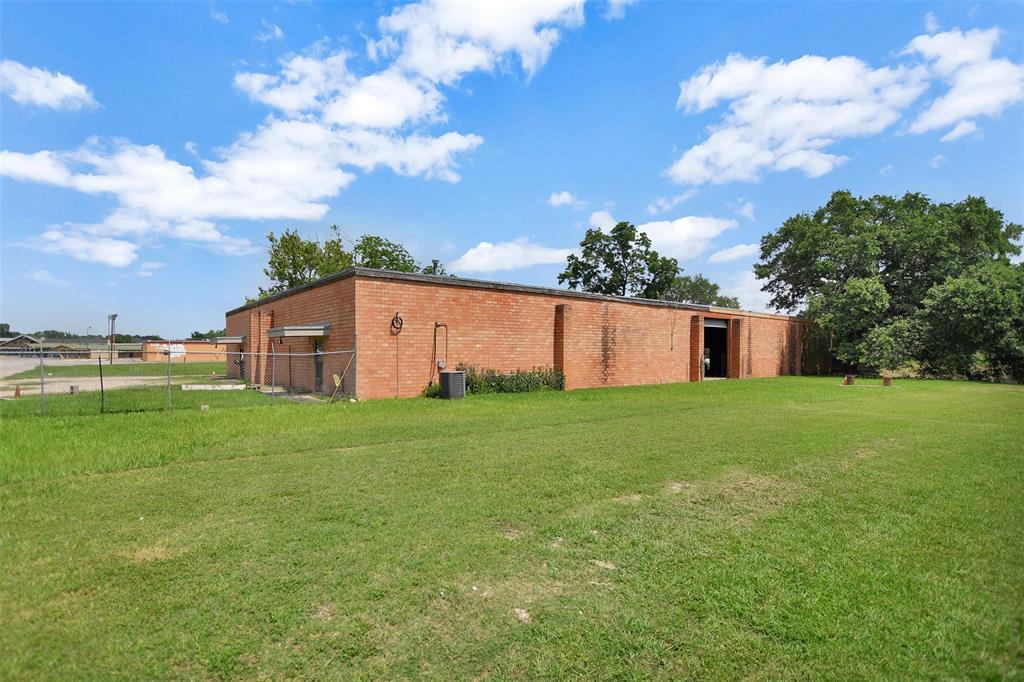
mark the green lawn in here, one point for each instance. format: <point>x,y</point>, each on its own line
<point>787,528</point>
<point>135,399</point>
<point>133,369</point>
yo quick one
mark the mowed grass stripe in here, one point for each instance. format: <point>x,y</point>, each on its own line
<point>648,536</point>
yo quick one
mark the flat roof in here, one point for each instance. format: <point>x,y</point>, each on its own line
<point>494,286</point>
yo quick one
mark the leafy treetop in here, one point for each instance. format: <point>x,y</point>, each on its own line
<point>698,289</point>
<point>619,262</point>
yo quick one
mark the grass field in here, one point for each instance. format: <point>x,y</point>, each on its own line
<point>133,399</point>
<point>786,528</point>
<point>133,369</point>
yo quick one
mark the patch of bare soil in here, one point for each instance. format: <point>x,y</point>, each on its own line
<point>148,554</point>
<point>865,451</point>
<point>325,612</point>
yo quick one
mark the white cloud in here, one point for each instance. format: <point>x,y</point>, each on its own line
<point>885,170</point>
<point>747,288</point>
<point>784,116</point>
<point>386,100</point>
<point>738,252</point>
<point>937,161</point>
<point>45,277</point>
<point>687,237</point>
<point>616,9</point>
<point>931,24</point>
<point>304,82</point>
<point>331,124</point>
<point>959,130</point>
<point>745,209</point>
<point>84,247</point>
<point>217,15</point>
<point>565,198</point>
<point>602,220</point>
<point>978,84</point>
<point>664,204</point>
<point>147,268</point>
<point>443,41</point>
<point>521,253</point>
<point>32,85</point>
<point>270,32</point>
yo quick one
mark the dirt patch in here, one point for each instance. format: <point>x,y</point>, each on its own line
<point>522,615</point>
<point>508,530</point>
<point>629,499</point>
<point>866,451</point>
<point>606,565</point>
<point>146,555</point>
<point>676,487</point>
<point>325,612</point>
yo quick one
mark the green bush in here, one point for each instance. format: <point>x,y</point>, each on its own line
<point>493,381</point>
<point>519,381</point>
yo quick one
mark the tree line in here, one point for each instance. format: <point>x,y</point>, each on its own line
<point>890,282</point>
<point>620,262</point>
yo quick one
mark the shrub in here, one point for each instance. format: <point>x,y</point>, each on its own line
<point>493,381</point>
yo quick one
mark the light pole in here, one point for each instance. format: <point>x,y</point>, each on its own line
<point>111,319</point>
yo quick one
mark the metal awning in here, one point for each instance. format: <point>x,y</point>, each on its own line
<point>229,339</point>
<point>711,322</point>
<point>321,329</point>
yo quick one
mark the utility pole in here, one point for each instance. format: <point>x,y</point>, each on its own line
<point>111,319</point>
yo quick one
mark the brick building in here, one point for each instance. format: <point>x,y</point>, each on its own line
<point>188,350</point>
<point>396,324</point>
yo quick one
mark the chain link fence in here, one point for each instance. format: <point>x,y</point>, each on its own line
<point>35,381</point>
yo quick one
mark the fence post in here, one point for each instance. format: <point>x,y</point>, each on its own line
<point>100,363</point>
<point>273,375</point>
<point>168,376</point>
<point>42,382</point>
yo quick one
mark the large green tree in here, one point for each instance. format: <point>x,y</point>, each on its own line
<point>376,252</point>
<point>619,262</point>
<point>865,267</point>
<point>293,260</point>
<point>973,324</point>
<point>698,289</point>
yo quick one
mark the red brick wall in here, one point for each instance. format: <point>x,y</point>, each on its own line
<point>332,303</point>
<point>596,342</point>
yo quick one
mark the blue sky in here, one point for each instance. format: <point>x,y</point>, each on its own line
<point>146,149</point>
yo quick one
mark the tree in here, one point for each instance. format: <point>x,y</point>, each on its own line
<point>698,289</point>
<point>381,254</point>
<point>973,324</point>
<point>891,346</point>
<point>859,266</point>
<point>212,334</point>
<point>293,261</point>
<point>620,262</point>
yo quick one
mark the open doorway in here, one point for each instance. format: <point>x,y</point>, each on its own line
<point>716,349</point>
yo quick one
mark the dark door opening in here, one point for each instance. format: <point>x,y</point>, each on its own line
<point>716,342</point>
<point>318,366</point>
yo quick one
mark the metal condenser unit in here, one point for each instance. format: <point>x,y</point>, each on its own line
<point>453,385</point>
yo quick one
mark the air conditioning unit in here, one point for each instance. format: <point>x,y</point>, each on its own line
<point>453,385</point>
